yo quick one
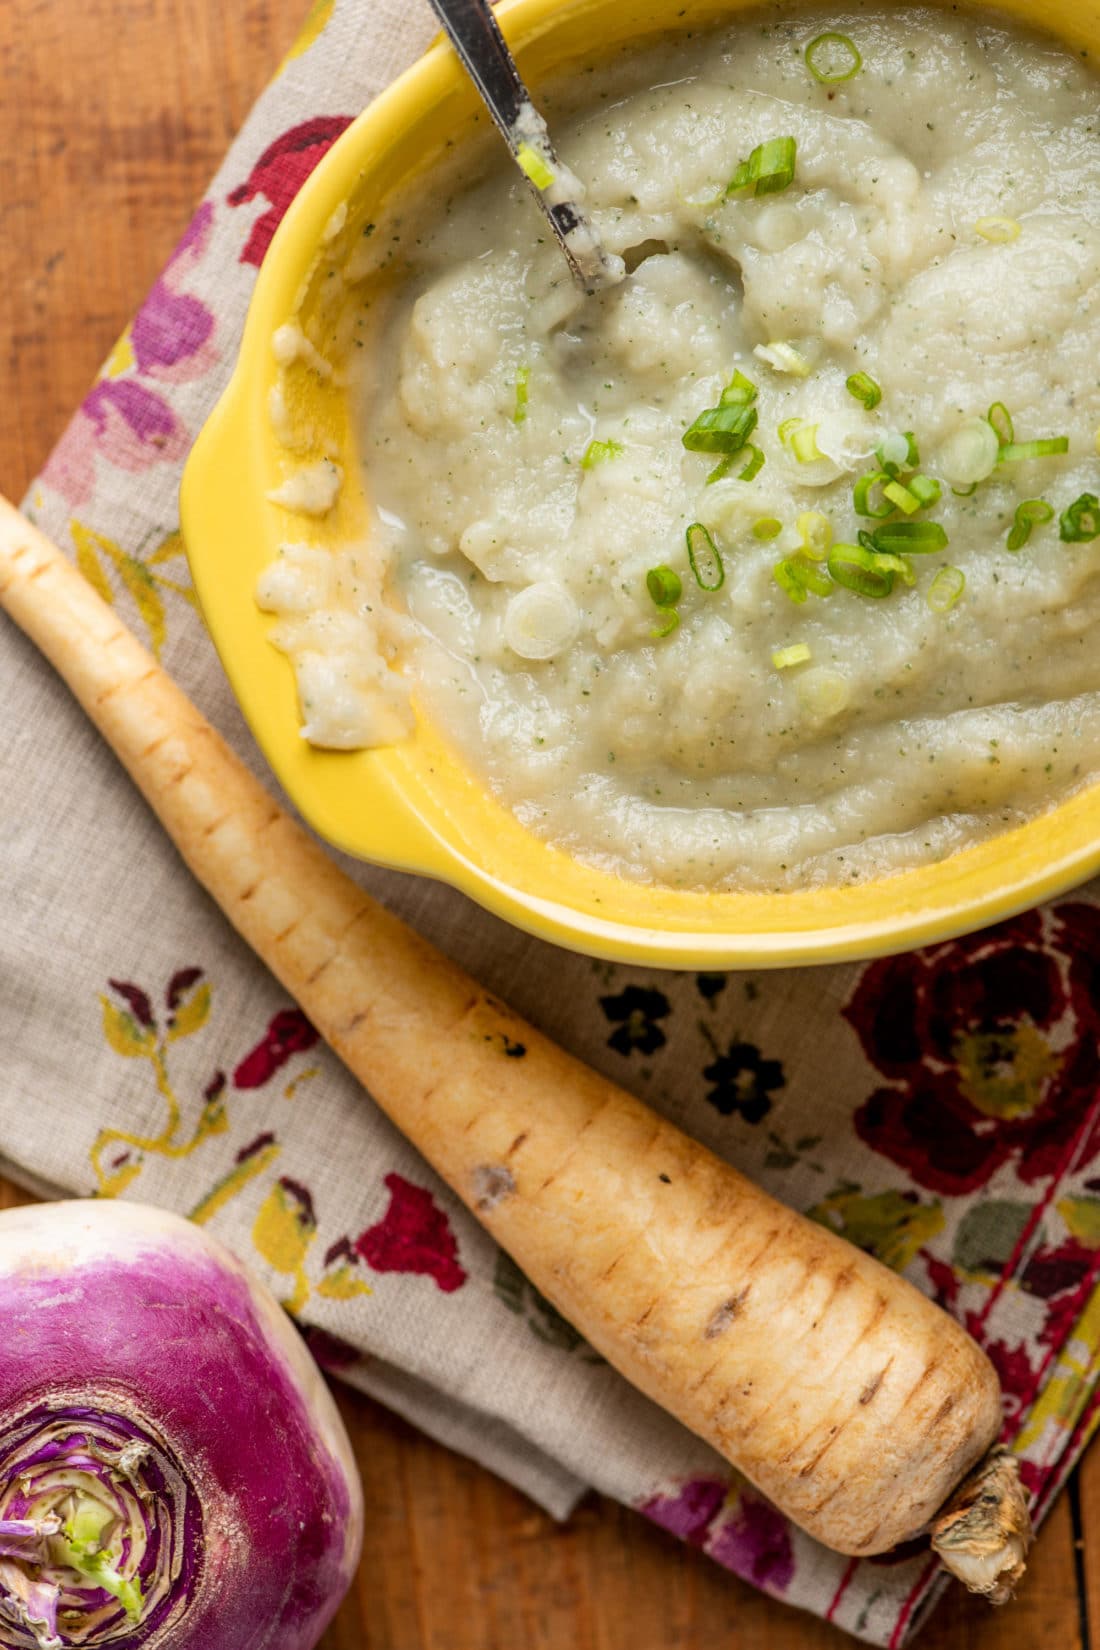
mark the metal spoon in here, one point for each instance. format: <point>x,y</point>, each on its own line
<point>477,39</point>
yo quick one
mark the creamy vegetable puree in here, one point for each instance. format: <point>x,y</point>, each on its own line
<point>774,563</point>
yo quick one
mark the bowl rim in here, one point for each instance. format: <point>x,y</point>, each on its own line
<point>1035,861</point>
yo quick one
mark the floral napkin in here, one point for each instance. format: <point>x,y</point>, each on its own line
<point>939,1109</point>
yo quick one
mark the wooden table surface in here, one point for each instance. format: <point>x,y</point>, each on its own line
<point>113,116</point>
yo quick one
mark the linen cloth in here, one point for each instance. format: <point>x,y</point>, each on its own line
<point>940,1109</point>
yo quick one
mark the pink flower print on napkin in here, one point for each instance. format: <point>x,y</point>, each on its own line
<point>279,174</point>
<point>740,1530</point>
<point>122,420</point>
<point>172,334</point>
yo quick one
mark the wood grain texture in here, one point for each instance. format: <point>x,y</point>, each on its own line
<point>113,116</point>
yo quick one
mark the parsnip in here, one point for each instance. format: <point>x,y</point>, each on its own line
<point>849,1399</point>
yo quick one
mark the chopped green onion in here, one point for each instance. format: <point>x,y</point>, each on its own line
<point>667,620</point>
<point>1031,513</point>
<point>998,229</point>
<point>1017,451</point>
<point>755,464</point>
<point>789,579</point>
<point>739,392</point>
<point>889,563</point>
<point>801,437</point>
<point>1080,524</point>
<point>902,497</point>
<point>864,388</point>
<point>767,528</point>
<point>926,490</point>
<point>705,561</point>
<point>664,585</point>
<point>970,455</point>
<point>867,541</point>
<point>523,378</point>
<point>897,453</point>
<point>784,358</point>
<point>813,577</point>
<point>858,569</point>
<point>861,497</point>
<point>945,589</point>
<point>726,427</point>
<point>910,538</point>
<point>797,654</point>
<point>1000,420</point>
<point>832,58</point>
<point>597,452</point>
<point>965,492</point>
<point>531,162</point>
<point>816,533</point>
<point>768,170</point>
<point>796,577</point>
<point>722,429</point>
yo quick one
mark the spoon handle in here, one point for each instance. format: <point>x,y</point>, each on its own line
<point>476,37</point>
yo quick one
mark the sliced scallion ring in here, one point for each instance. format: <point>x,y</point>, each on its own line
<point>796,578</point>
<point>523,379</point>
<point>784,358</point>
<point>896,454</point>
<point>1033,512</point>
<point>598,452</point>
<point>705,560</point>
<point>816,532</point>
<point>886,562</point>
<point>1080,524</point>
<point>665,585</point>
<point>722,429</point>
<point>667,621</point>
<point>797,654</point>
<point>1000,420</point>
<point>901,498</point>
<point>864,388</point>
<point>755,464</point>
<point>769,169</point>
<point>945,589</point>
<point>910,538</point>
<point>971,454</point>
<point>1018,452</point>
<point>537,169</point>
<point>858,569</point>
<point>739,392</point>
<point>998,229</point>
<point>813,577</point>
<point>832,58</point>
<point>766,529</point>
<point>788,577</point>
<point>926,490</point>
<point>800,437</point>
<point>862,500</point>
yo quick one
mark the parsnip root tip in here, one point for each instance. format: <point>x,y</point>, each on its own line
<point>984,1531</point>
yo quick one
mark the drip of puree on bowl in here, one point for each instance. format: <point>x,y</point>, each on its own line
<point>775,564</point>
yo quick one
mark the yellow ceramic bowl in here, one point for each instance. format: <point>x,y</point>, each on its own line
<point>414,805</point>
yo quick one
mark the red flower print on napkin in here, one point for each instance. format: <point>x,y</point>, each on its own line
<point>990,1047</point>
<point>279,174</point>
<point>288,1033</point>
<point>414,1235</point>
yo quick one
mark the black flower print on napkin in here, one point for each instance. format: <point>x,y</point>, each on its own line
<point>743,1081</point>
<point>637,1009</point>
